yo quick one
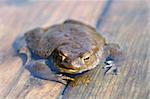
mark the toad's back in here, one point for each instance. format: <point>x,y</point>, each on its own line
<point>72,37</point>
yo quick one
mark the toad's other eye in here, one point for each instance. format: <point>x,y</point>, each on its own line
<point>86,59</point>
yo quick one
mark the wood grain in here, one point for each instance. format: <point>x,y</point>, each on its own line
<point>126,23</point>
<point>18,17</point>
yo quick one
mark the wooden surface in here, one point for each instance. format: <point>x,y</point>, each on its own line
<point>124,22</point>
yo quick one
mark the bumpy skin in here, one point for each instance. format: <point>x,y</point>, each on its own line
<point>74,47</point>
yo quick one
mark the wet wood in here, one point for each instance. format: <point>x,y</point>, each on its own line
<point>126,23</point>
<point>18,17</point>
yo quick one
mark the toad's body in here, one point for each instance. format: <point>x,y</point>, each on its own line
<point>73,46</point>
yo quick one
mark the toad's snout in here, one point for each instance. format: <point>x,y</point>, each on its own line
<point>73,65</point>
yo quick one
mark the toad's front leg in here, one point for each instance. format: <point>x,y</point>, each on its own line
<point>112,57</point>
<point>41,70</point>
<point>110,67</point>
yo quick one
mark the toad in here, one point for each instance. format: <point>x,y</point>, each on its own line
<point>72,46</point>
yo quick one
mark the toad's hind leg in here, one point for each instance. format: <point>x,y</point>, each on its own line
<point>26,51</point>
<point>40,69</point>
<point>22,49</point>
<point>113,56</point>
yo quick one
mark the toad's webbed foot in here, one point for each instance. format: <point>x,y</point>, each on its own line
<point>110,68</point>
<point>113,57</point>
<point>41,70</point>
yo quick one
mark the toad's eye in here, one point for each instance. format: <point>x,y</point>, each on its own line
<point>86,59</point>
<point>62,57</point>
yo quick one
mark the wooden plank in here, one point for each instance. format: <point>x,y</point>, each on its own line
<point>126,23</point>
<point>17,18</point>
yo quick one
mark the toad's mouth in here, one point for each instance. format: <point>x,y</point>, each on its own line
<point>74,71</point>
<point>68,69</point>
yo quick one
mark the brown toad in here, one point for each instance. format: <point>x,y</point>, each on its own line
<point>73,47</point>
